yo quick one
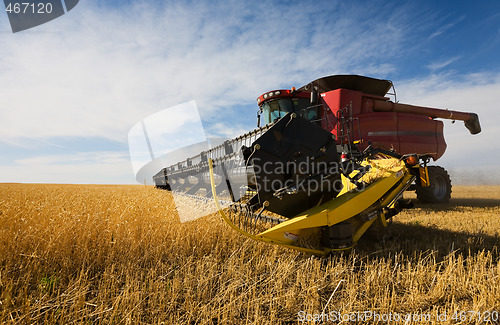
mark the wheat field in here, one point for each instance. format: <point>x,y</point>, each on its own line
<point>106,254</point>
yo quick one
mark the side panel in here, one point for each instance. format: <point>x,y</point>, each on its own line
<point>403,132</point>
<point>380,128</point>
<point>441,148</point>
<point>340,102</point>
<point>420,134</point>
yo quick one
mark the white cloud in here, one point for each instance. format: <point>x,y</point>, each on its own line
<point>478,93</point>
<point>446,27</point>
<point>228,131</point>
<point>104,70</point>
<point>441,64</point>
<point>84,158</point>
<point>82,168</point>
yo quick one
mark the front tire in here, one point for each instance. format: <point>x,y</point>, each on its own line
<point>439,190</point>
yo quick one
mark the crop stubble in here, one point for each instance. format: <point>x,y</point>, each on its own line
<point>118,254</point>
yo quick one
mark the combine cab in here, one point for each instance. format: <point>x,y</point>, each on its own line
<point>331,160</point>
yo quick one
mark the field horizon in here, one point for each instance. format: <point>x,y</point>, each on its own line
<point>118,254</point>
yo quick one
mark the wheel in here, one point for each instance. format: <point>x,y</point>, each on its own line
<point>439,190</point>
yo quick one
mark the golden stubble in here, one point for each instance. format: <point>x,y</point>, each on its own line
<point>119,255</point>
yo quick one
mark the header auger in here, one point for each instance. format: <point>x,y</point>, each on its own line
<point>332,159</point>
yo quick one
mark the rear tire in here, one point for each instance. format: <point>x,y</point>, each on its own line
<point>439,190</point>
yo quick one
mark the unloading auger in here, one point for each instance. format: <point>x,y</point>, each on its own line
<point>328,164</point>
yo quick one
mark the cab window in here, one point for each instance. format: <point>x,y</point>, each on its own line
<point>275,109</point>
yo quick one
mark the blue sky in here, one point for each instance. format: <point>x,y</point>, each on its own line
<point>71,89</point>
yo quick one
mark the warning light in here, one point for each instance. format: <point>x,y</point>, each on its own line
<point>412,160</point>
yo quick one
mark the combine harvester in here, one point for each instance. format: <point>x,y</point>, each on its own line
<point>332,159</point>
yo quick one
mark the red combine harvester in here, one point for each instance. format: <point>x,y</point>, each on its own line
<point>356,111</point>
<point>331,161</point>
